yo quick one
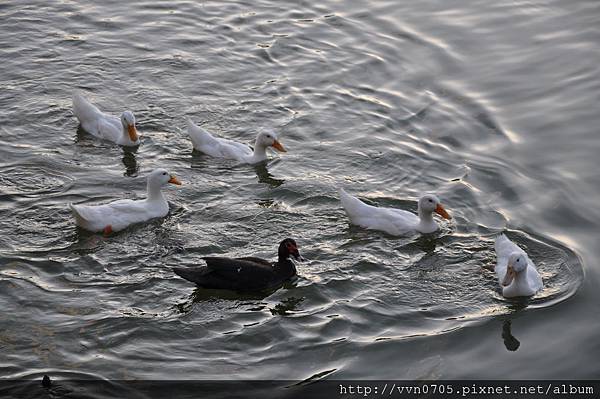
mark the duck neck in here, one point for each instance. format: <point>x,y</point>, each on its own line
<point>154,193</point>
<point>260,152</point>
<point>285,266</point>
<point>425,216</point>
<point>521,279</point>
<point>125,132</point>
<point>426,222</point>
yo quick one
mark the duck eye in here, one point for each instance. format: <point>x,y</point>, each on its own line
<point>164,173</point>
<point>430,200</point>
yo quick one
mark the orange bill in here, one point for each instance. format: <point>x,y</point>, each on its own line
<point>442,212</point>
<point>133,135</point>
<point>510,275</point>
<point>174,180</point>
<point>277,145</point>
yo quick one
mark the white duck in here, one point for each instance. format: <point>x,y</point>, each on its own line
<point>117,215</point>
<point>394,221</point>
<point>121,131</point>
<point>516,272</point>
<point>217,147</point>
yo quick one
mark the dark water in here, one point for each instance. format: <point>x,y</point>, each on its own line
<point>492,105</point>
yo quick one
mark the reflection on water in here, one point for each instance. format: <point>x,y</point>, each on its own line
<point>511,343</point>
<point>393,98</point>
<point>203,294</point>
<point>426,243</point>
<point>81,135</point>
<point>264,176</point>
<point>130,161</point>
<point>199,160</point>
<point>288,305</point>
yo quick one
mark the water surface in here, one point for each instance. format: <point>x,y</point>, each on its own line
<point>491,105</point>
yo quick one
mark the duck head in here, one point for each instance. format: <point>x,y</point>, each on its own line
<point>288,248</point>
<point>429,203</point>
<point>128,121</point>
<point>161,177</point>
<point>269,139</point>
<point>516,265</point>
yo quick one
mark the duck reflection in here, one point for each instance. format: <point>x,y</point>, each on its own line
<point>130,161</point>
<point>424,244</point>
<point>206,295</point>
<point>286,306</point>
<point>516,305</point>
<point>283,308</point>
<point>198,160</point>
<point>511,343</point>
<point>80,135</point>
<point>427,243</point>
<point>264,176</point>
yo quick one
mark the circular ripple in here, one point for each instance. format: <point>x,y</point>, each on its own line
<point>33,179</point>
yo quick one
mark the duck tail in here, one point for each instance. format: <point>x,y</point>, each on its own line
<point>350,204</point>
<point>500,239</point>
<point>83,109</point>
<point>193,274</point>
<point>199,136</point>
<point>190,124</point>
<point>79,218</point>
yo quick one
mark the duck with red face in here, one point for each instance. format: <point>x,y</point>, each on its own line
<point>245,274</point>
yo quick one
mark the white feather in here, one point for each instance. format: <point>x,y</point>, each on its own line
<point>125,212</point>
<point>99,124</point>
<point>390,220</point>
<point>529,284</point>
<point>218,147</point>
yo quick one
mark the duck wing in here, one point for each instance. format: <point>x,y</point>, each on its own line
<point>96,122</point>
<point>233,150</point>
<point>216,147</point>
<point>202,140</point>
<point>236,274</point>
<point>504,247</point>
<point>110,128</point>
<point>118,214</point>
<point>534,280</point>
<point>86,113</point>
<point>389,220</point>
<point>256,260</point>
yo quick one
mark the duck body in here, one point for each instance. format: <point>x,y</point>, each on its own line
<point>121,131</point>
<point>390,220</point>
<point>218,147</point>
<point>246,274</point>
<point>120,214</point>
<point>516,273</point>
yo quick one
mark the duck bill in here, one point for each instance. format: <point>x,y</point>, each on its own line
<point>442,212</point>
<point>174,180</point>
<point>293,252</point>
<point>277,145</point>
<point>133,134</point>
<point>298,257</point>
<point>510,276</point>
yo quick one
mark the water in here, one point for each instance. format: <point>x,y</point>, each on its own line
<point>492,105</point>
